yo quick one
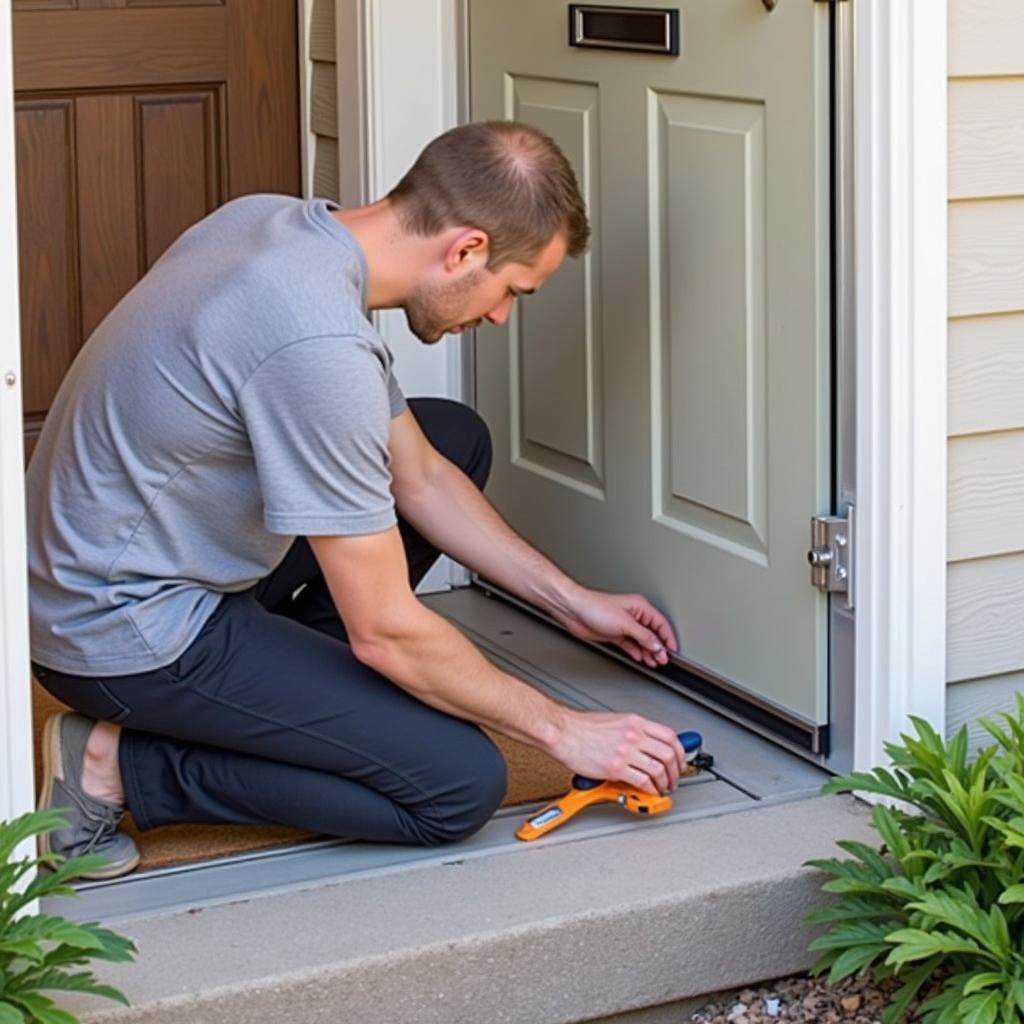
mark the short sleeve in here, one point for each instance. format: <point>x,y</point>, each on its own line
<point>317,413</point>
<point>395,396</point>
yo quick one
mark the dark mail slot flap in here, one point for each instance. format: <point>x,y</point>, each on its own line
<point>647,29</point>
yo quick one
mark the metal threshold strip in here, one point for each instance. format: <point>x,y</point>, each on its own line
<point>749,772</point>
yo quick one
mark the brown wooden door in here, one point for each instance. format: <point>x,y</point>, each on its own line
<point>134,119</point>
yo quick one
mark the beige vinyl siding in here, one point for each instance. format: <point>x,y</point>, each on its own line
<point>985,620</point>
<point>323,99</point>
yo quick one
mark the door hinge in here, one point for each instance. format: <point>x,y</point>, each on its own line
<point>831,554</point>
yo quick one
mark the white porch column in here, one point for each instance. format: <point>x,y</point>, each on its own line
<point>900,229</point>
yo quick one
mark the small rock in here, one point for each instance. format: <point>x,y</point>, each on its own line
<point>851,1004</point>
<point>771,1007</point>
<point>738,1011</point>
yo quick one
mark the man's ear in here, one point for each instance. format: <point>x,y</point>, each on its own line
<point>469,247</point>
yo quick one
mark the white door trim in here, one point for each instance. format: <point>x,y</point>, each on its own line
<point>900,162</point>
<point>16,783</point>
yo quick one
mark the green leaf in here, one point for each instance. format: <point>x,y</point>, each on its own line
<point>943,1008</point>
<point>981,1008</point>
<point>871,858</point>
<point>855,908</point>
<point>1017,992</point>
<point>914,944</point>
<point>879,781</point>
<point>887,826</point>
<point>48,928</point>
<point>1013,894</point>
<point>13,833</point>
<point>22,947</point>
<point>912,982</point>
<point>113,947</point>
<point>855,959</point>
<point>984,980</point>
<point>43,1009</point>
<point>899,885</point>
<point>10,1014</point>
<point>84,981</point>
<point>852,933</point>
<point>51,882</point>
<point>959,909</point>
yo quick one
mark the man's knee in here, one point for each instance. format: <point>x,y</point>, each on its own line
<point>474,802</point>
<point>458,433</point>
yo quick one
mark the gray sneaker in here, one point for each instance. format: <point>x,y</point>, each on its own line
<point>91,824</point>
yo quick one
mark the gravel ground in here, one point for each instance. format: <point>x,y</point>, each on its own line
<point>856,1000</point>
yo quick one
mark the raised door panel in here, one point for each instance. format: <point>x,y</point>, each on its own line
<point>47,248</point>
<point>181,157</point>
<point>555,359</point>
<point>708,241</point>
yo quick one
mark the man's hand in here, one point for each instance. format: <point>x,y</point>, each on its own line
<point>621,747</point>
<point>628,620</point>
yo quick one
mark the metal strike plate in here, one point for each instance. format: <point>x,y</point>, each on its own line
<point>830,553</point>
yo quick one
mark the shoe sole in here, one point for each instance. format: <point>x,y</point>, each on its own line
<point>53,771</point>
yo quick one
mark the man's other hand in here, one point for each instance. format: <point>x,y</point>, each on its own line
<point>628,620</point>
<point>623,748</point>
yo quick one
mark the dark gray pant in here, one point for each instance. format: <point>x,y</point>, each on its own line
<point>268,717</point>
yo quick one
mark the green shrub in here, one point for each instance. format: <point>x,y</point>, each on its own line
<point>940,905</point>
<point>40,952</point>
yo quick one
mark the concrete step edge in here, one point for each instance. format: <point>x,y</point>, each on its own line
<point>721,925</point>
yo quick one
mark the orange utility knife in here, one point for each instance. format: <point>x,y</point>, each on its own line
<point>587,792</point>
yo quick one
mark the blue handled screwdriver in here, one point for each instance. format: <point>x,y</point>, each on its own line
<point>586,792</point>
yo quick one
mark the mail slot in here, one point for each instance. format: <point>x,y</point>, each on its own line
<point>647,29</point>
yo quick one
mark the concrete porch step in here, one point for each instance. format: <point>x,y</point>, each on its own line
<point>590,929</point>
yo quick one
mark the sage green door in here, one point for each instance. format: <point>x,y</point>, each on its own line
<point>661,408</point>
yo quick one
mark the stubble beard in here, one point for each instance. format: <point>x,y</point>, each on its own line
<point>433,310</point>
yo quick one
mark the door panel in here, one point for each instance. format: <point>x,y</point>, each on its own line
<point>660,408</point>
<point>709,352</point>
<point>133,121</point>
<point>557,424</point>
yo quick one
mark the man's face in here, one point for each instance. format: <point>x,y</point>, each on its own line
<point>465,296</point>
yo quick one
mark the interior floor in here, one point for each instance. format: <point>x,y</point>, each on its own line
<point>749,770</point>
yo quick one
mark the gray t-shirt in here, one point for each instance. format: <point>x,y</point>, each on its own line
<point>235,398</point>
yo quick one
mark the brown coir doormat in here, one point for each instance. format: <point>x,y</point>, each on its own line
<point>532,775</point>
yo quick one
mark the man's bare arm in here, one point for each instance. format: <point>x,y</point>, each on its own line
<point>392,632</point>
<point>445,506</point>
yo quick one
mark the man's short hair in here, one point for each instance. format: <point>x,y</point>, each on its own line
<point>503,177</point>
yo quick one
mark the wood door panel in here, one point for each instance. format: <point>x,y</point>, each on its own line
<point>180,146</point>
<point>43,5</point>
<point>135,118</point>
<point>263,100</point>
<point>47,247</point>
<point>105,49</point>
<point>107,203</point>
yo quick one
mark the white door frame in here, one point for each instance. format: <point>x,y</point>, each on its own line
<point>16,783</point>
<point>899,297</point>
<point>900,199</point>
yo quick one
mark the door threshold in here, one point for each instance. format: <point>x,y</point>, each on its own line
<point>749,771</point>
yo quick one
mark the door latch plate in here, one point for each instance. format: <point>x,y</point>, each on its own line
<point>830,556</point>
